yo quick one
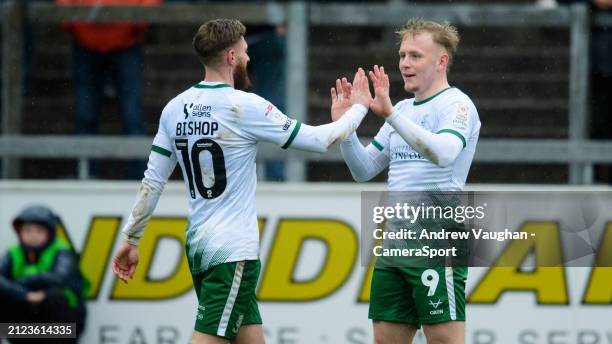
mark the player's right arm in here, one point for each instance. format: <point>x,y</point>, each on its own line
<point>162,161</point>
<point>366,162</point>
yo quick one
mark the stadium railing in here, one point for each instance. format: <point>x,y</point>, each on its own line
<point>577,151</point>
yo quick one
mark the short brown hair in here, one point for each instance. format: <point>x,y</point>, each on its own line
<point>443,34</point>
<point>215,36</point>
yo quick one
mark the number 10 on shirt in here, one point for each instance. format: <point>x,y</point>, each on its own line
<point>192,161</point>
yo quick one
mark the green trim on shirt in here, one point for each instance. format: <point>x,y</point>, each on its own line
<point>377,145</point>
<point>160,150</point>
<point>211,86</point>
<point>292,136</point>
<point>432,97</point>
<point>454,132</point>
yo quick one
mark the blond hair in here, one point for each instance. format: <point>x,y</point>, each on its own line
<point>444,34</point>
<point>215,36</point>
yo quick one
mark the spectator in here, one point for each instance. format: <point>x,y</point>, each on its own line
<point>40,280</point>
<point>601,81</point>
<point>112,51</point>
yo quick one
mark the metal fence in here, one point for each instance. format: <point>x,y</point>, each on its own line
<point>577,151</point>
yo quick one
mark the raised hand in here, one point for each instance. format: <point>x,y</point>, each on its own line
<point>381,104</point>
<point>341,98</point>
<point>125,261</point>
<point>361,89</point>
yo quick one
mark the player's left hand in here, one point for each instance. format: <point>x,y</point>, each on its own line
<point>361,89</point>
<point>341,98</point>
<point>381,104</point>
<point>125,261</point>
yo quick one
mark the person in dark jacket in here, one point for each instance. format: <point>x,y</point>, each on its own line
<point>40,281</point>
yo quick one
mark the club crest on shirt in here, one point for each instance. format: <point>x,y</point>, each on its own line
<point>461,116</point>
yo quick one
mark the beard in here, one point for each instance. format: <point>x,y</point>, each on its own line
<point>241,78</point>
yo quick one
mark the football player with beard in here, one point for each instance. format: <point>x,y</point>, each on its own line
<point>212,130</point>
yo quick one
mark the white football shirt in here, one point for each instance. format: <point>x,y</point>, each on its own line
<point>450,111</point>
<point>212,130</point>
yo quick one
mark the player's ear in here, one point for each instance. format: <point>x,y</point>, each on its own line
<point>230,56</point>
<point>443,61</point>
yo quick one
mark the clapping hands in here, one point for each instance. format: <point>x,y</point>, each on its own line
<point>341,98</point>
<point>345,94</point>
<point>381,104</point>
<point>361,89</point>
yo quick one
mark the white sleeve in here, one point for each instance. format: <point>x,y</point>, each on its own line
<point>364,163</point>
<point>262,121</point>
<point>162,161</point>
<point>320,138</point>
<point>442,148</point>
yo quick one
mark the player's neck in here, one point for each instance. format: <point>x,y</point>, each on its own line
<point>215,75</point>
<point>435,88</point>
